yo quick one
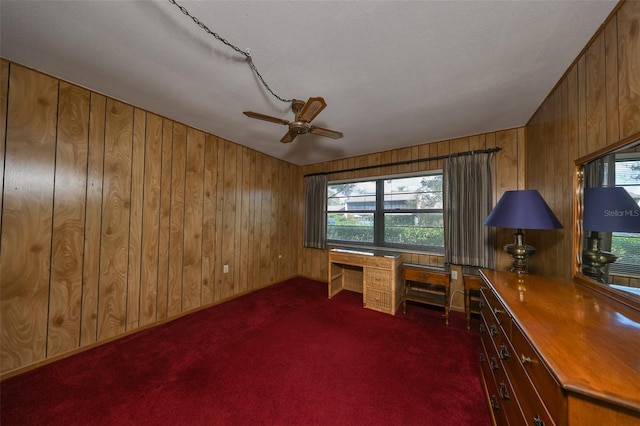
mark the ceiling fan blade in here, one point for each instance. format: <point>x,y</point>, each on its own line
<point>289,136</point>
<point>325,132</point>
<point>265,117</point>
<point>311,109</point>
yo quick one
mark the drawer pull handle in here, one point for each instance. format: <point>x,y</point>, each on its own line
<point>493,330</point>
<point>498,311</point>
<point>526,359</point>
<point>481,304</point>
<point>504,393</point>
<point>504,352</point>
<point>494,363</point>
<point>481,328</point>
<point>494,402</point>
<point>537,421</point>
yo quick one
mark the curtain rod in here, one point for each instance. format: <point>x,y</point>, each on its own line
<point>402,163</point>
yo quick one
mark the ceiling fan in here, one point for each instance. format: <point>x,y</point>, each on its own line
<point>304,112</point>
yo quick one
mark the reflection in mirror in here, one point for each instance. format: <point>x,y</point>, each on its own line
<point>611,219</point>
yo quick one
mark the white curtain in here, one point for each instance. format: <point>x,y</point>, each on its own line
<point>315,212</point>
<point>468,202</point>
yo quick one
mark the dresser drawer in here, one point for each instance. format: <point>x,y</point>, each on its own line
<point>491,305</point>
<point>379,262</point>
<point>347,259</point>
<point>488,368</point>
<point>528,367</point>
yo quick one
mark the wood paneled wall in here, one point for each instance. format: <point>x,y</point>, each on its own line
<point>508,169</point>
<point>114,218</point>
<point>595,104</point>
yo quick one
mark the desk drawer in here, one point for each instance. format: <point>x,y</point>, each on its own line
<point>379,262</point>
<point>347,259</point>
<point>378,279</point>
<point>425,276</point>
<point>378,300</point>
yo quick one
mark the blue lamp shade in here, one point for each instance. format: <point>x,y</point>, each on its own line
<point>523,209</point>
<point>610,210</point>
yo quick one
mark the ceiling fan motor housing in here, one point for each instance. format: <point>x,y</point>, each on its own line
<point>299,127</point>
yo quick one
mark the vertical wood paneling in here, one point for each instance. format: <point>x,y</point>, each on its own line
<point>596,104</point>
<point>596,95</point>
<point>25,247</point>
<point>237,220</point>
<point>228,217</point>
<point>176,236</point>
<point>611,82</point>
<point>273,220</point>
<point>628,22</point>
<point>252,243</point>
<point>65,294</point>
<point>209,220</point>
<point>243,248</point>
<point>581,107</point>
<point>4,92</point>
<point>93,220</point>
<point>192,267</point>
<point>150,267</point>
<point>265,229</point>
<point>164,232</point>
<point>116,206</point>
<point>140,212</point>
<point>220,204</point>
<point>257,214</point>
<point>135,221</point>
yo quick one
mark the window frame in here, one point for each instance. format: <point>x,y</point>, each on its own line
<point>379,214</point>
<point>619,267</point>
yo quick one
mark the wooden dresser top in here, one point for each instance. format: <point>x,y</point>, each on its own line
<point>589,342</point>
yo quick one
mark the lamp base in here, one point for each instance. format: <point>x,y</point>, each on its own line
<point>594,259</point>
<point>520,253</point>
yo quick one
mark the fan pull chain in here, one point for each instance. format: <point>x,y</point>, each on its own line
<point>246,54</point>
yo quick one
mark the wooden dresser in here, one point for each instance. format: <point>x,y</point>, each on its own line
<point>373,273</point>
<point>557,353</point>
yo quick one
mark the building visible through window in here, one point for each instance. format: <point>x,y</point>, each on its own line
<point>397,211</point>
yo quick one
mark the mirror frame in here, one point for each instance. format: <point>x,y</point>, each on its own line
<point>628,299</point>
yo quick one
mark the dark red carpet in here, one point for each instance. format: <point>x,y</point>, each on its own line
<point>284,355</point>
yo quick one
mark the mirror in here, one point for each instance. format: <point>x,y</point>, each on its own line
<point>604,260</point>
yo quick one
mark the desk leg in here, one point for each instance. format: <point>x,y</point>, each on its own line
<point>446,304</point>
<point>404,296</point>
<point>467,308</point>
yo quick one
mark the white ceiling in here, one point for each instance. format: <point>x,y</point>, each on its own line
<point>393,73</point>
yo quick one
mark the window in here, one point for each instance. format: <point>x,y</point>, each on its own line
<point>627,245</point>
<point>399,212</point>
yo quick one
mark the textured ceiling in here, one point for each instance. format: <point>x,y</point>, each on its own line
<point>393,74</point>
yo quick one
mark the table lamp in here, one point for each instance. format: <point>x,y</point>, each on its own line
<point>522,209</point>
<point>609,209</point>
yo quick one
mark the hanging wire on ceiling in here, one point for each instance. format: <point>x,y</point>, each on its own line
<point>246,54</point>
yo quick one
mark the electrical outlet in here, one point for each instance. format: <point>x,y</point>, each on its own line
<point>454,275</point>
<point>225,269</point>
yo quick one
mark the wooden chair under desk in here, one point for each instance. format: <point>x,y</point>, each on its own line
<point>417,281</point>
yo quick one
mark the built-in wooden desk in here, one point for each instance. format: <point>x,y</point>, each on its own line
<point>373,273</point>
